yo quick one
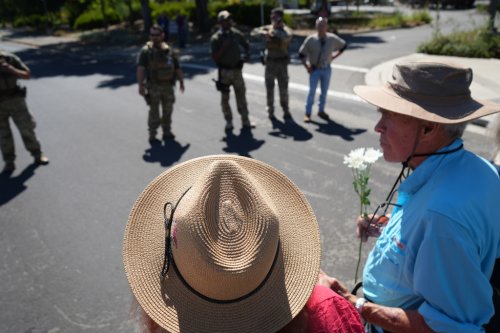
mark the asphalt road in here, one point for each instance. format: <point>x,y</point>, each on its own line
<point>62,224</point>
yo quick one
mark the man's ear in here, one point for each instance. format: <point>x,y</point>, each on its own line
<point>428,128</point>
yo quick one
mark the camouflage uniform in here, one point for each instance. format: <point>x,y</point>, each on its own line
<point>13,105</point>
<point>161,65</point>
<point>230,74</point>
<point>277,60</point>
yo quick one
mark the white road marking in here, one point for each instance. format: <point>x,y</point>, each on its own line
<point>291,85</point>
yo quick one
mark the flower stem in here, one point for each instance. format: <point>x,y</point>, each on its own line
<point>360,247</point>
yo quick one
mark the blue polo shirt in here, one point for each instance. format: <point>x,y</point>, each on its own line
<point>437,252</point>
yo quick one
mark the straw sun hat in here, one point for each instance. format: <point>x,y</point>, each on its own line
<point>429,90</point>
<point>243,250</point>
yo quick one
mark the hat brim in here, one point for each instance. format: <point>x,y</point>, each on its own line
<point>174,306</point>
<point>443,112</point>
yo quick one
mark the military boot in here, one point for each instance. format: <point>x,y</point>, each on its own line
<point>168,135</point>
<point>245,123</point>
<point>9,167</point>
<point>41,160</point>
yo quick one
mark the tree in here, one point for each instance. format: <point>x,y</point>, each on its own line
<point>202,15</point>
<point>104,17</point>
<point>146,15</point>
<point>130,12</point>
<point>492,10</point>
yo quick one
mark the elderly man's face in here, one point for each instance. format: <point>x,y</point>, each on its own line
<point>398,134</point>
<point>322,27</point>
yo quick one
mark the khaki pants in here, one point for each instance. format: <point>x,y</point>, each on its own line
<point>161,95</point>
<point>234,77</point>
<point>16,109</point>
<point>277,70</point>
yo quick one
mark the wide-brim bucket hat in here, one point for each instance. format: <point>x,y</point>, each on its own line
<point>222,244</point>
<point>432,90</point>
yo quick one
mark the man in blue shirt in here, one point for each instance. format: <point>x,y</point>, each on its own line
<point>430,268</point>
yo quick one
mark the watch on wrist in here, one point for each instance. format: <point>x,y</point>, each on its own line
<point>360,303</point>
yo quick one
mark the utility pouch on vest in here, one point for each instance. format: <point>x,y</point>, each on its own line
<point>164,74</point>
<point>161,66</point>
<point>14,92</point>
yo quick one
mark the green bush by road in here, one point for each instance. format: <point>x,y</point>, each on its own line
<point>477,43</point>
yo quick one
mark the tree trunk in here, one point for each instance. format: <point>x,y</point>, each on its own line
<point>104,18</point>
<point>146,15</point>
<point>130,13</point>
<point>492,10</point>
<point>202,15</point>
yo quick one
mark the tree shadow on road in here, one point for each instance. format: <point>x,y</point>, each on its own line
<point>289,129</point>
<point>166,154</point>
<point>333,128</point>
<point>241,144</point>
<point>13,186</point>
<point>78,59</point>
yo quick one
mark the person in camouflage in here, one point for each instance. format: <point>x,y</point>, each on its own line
<point>13,105</point>
<point>276,58</point>
<point>225,49</point>
<point>157,71</point>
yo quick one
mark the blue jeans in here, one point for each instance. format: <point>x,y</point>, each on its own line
<point>323,75</point>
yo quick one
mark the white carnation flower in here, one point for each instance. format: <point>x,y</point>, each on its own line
<point>372,155</point>
<point>356,159</point>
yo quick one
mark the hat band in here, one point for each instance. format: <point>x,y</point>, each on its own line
<point>167,256</point>
<point>235,300</point>
<point>416,98</point>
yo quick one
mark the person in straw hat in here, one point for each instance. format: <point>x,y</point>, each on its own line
<point>228,244</point>
<point>430,267</point>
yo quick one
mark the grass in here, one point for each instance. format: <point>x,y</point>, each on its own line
<point>476,43</point>
<point>398,20</point>
<point>354,20</point>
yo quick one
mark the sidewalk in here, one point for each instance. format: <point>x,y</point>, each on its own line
<point>485,84</point>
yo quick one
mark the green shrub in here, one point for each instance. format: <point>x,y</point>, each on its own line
<point>92,19</point>
<point>34,21</point>
<point>477,43</point>
<point>420,17</point>
<point>171,9</point>
<point>397,19</point>
<point>485,7</point>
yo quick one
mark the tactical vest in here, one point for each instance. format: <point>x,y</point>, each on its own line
<point>277,47</point>
<point>161,68</point>
<point>8,82</point>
